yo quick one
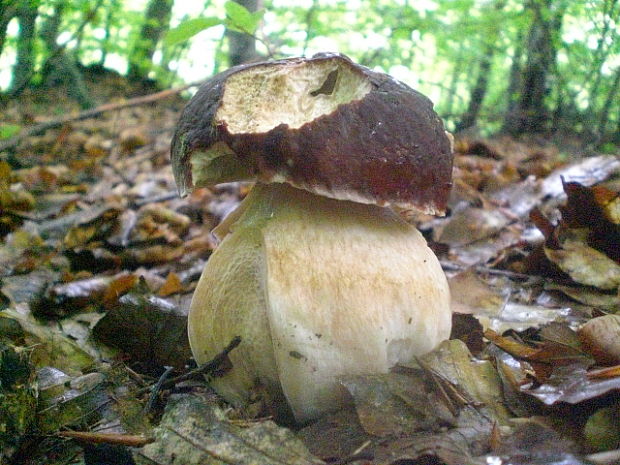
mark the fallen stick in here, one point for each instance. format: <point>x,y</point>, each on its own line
<point>208,368</point>
<point>55,123</point>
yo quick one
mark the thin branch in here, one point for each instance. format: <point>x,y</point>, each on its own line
<point>211,366</point>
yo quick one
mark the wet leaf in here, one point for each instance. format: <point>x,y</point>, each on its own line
<point>28,288</point>
<point>601,337</point>
<point>335,436</point>
<point>586,265</point>
<point>194,431</point>
<point>149,329</point>
<point>395,404</point>
<point>589,296</point>
<point>469,330</point>
<point>471,225</point>
<point>551,352</point>
<point>535,444</point>
<point>571,384</point>
<point>602,431</point>
<point>478,379</point>
<point>444,407</point>
<point>80,401</point>
<point>50,346</point>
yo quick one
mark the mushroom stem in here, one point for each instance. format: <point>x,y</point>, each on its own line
<point>317,288</point>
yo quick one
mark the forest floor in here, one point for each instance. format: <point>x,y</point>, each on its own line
<point>99,257</point>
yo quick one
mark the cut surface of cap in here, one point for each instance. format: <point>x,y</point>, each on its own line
<point>323,124</point>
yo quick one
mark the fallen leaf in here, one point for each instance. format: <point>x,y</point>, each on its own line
<point>588,296</point>
<point>118,287</point>
<point>81,401</point>
<point>477,378</point>
<point>395,404</point>
<point>470,294</point>
<point>586,265</point>
<point>194,431</point>
<point>610,372</point>
<point>601,337</point>
<point>172,285</point>
<point>535,444</point>
<point>468,329</point>
<point>50,346</point>
<point>602,430</point>
<point>335,436</point>
<point>470,225</point>
<point>571,384</point>
<point>151,330</point>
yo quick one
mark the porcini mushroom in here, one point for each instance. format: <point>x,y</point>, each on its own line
<point>315,272</point>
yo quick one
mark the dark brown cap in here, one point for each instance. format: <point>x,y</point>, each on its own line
<point>323,124</point>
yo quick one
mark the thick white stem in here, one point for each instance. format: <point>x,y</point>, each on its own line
<point>317,288</point>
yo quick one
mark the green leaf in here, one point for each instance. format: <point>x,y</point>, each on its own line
<point>240,19</point>
<point>9,130</point>
<point>402,33</point>
<point>190,28</point>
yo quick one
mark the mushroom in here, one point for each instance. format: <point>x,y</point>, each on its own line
<point>319,277</point>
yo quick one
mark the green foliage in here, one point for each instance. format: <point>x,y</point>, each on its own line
<point>436,46</point>
<point>9,130</point>
<point>189,28</point>
<point>239,19</point>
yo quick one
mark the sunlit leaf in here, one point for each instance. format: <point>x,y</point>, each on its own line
<point>190,28</point>
<point>9,130</point>
<point>240,19</point>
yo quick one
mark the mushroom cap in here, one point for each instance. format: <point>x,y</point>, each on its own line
<point>323,124</point>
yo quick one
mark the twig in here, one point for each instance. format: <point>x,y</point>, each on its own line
<point>204,369</point>
<point>55,123</point>
<point>353,458</point>
<point>207,368</point>
<point>129,440</point>
<point>605,458</point>
<point>156,389</point>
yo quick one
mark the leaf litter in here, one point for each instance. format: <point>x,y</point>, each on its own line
<point>99,258</point>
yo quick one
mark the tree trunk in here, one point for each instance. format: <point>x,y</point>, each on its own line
<point>514,84</point>
<point>24,65</point>
<point>61,67</point>
<point>456,74</point>
<point>155,24</point>
<point>531,113</point>
<point>609,100</point>
<point>241,46</point>
<point>478,91</point>
<point>610,16</point>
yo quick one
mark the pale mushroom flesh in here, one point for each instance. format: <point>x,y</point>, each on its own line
<point>317,288</point>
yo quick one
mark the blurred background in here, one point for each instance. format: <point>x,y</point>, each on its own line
<point>543,67</point>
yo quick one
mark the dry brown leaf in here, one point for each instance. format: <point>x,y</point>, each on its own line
<point>601,337</point>
<point>470,294</point>
<point>610,372</point>
<point>172,285</point>
<point>514,348</point>
<point>117,288</point>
